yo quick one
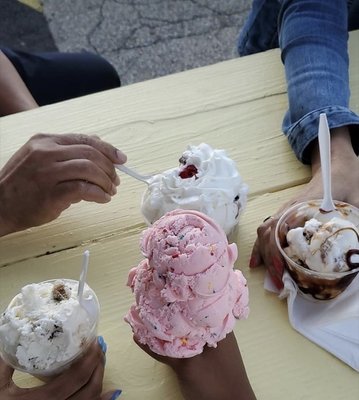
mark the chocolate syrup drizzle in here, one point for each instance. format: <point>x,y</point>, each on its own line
<point>348,257</point>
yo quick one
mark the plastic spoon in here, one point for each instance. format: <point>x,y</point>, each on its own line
<point>87,304</point>
<point>327,208</point>
<point>143,178</point>
<point>83,275</point>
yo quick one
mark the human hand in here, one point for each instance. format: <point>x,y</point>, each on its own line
<point>82,381</point>
<point>216,373</point>
<point>51,172</point>
<point>345,187</point>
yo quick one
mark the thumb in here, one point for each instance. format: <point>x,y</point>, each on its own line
<point>6,373</point>
<point>112,395</point>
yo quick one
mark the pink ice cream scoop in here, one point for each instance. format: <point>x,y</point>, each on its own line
<point>187,292</point>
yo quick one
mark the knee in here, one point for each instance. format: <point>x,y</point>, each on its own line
<point>105,74</point>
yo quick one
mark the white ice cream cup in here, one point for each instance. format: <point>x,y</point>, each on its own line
<point>9,346</point>
<point>314,284</point>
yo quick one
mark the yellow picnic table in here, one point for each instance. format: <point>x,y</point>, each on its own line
<point>237,105</point>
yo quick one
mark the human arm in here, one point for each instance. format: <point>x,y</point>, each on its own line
<point>216,373</point>
<point>313,39</point>
<point>81,381</point>
<point>14,95</point>
<point>51,172</point>
<point>345,187</point>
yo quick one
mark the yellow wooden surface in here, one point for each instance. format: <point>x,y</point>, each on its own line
<point>237,105</point>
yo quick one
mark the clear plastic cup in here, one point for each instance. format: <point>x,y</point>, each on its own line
<point>313,284</point>
<point>84,333</point>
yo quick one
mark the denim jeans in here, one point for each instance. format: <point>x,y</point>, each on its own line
<point>312,35</point>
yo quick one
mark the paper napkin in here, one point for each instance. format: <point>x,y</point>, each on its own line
<point>331,324</point>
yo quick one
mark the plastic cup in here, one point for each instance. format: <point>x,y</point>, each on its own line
<point>9,341</point>
<point>313,284</point>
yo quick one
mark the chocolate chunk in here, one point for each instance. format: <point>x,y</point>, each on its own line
<point>59,292</point>
<point>183,160</point>
<point>348,257</point>
<point>55,333</point>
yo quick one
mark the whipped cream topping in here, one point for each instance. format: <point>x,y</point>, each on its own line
<point>207,180</point>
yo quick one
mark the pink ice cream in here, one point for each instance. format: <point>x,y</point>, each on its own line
<point>187,292</point>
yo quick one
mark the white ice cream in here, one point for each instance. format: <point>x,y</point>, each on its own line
<point>216,188</point>
<point>45,327</point>
<point>323,247</point>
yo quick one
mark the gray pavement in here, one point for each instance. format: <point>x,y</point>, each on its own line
<point>146,39</point>
<point>23,28</point>
<point>143,39</point>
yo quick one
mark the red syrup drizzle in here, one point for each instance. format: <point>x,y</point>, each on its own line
<point>188,172</point>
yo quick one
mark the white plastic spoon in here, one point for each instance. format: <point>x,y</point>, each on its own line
<point>324,150</point>
<point>88,304</point>
<point>83,275</point>
<point>143,178</point>
<point>327,208</point>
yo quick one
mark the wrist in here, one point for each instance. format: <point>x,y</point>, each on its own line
<point>5,224</point>
<point>341,149</point>
<point>217,373</point>
<point>5,227</point>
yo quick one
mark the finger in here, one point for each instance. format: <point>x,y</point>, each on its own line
<point>85,170</point>
<point>172,362</point>
<point>147,350</point>
<point>111,395</point>
<point>278,264</point>
<point>142,346</point>
<point>275,278</point>
<point>72,192</point>
<point>272,259</point>
<point>256,258</point>
<point>6,373</point>
<point>260,244</point>
<point>74,378</point>
<point>93,388</point>
<point>86,152</point>
<point>111,152</point>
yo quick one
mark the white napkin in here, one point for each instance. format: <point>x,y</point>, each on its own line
<point>331,324</point>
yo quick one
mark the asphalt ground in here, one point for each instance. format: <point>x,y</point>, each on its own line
<point>143,39</point>
<point>24,27</point>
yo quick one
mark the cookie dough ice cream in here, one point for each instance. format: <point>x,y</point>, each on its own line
<point>325,247</point>
<point>207,180</point>
<point>187,293</point>
<point>44,328</point>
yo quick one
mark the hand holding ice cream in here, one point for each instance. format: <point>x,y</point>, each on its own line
<point>321,257</point>
<point>83,379</point>
<point>216,373</point>
<point>187,293</point>
<point>45,327</point>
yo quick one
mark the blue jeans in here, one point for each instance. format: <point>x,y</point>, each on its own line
<point>312,35</point>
